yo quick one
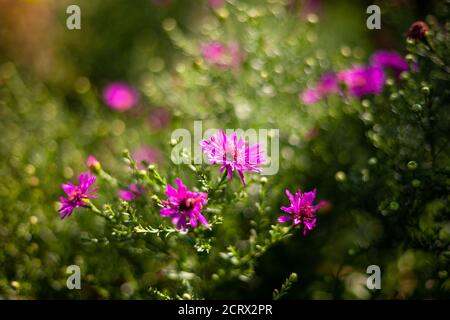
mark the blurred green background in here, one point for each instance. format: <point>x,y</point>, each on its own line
<point>52,117</point>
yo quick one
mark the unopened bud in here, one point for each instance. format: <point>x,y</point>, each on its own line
<point>293,277</point>
<point>93,164</point>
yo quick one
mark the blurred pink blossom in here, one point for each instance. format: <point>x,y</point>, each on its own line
<point>222,55</point>
<point>216,3</point>
<point>159,119</point>
<point>120,96</point>
<point>146,154</point>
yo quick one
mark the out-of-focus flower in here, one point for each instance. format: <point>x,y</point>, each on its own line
<point>120,96</point>
<point>417,31</point>
<point>76,196</point>
<point>310,96</point>
<point>301,211</point>
<point>233,154</point>
<point>328,84</point>
<point>92,163</point>
<point>221,55</point>
<point>131,193</point>
<point>391,60</point>
<point>310,7</point>
<point>183,205</point>
<point>159,118</point>
<point>362,80</point>
<point>145,154</point>
<point>311,134</point>
<point>325,205</point>
<point>215,4</point>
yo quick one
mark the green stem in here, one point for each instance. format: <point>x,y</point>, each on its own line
<point>96,210</point>
<point>108,178</point>
<point>219,184</point>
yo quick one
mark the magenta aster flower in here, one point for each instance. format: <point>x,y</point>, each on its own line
<point>233,154</point>
<point>77,195</point>
<point>131,193</point>
<point>120,96</point>
<point>363,80</point>
<point>301,211</point>
<point>221,55</point>
<point>391,60</point>
<point>184,205</point>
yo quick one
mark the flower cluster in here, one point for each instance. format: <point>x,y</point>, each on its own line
<point>184,206</point>
<point>359,80</point>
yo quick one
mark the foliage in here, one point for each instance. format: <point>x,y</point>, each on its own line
<point>380,162</point>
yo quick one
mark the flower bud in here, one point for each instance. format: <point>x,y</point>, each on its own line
<point>426,90</point>
<point>417,31</point>
<point>416,107</point>
<point>340,176</point>
<point>93,164</point>
<point>293,277</point>
<point>187,296</point>
<point>412,165</point>
<point>394,206</point>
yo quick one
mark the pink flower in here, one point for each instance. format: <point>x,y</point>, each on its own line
<point>311,96</point>
<point>327,85</point>
<point>308,7</point>
<point>391,60</point>
<point>221,55</point>
<point>131,193</point>
<point>120,96</point>
<point>145,154</point>
<point>301,210</point>
<point>363,80</point>
<point>232,154</point>
<point>418,30</point>
<point>159,118</point>
<point>77,195</point>
<point>325,205</point>
<point>184,205</point>
<point>92,163</point>
<point>215,4</point>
